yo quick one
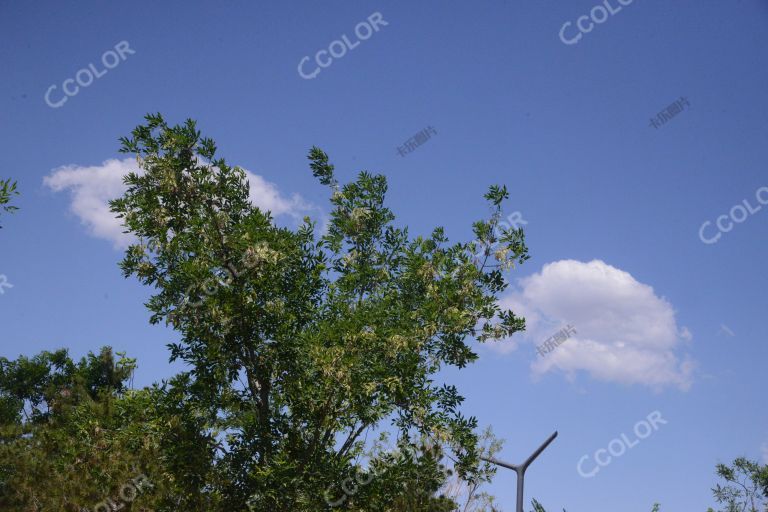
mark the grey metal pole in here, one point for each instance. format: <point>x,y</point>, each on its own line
<point>520,482</point>
<point>520,468</point>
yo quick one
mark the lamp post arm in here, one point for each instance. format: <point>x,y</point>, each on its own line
<point>538,451</point>
<point>513,467</point>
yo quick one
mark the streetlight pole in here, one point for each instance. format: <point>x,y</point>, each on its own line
<point>520,469</point>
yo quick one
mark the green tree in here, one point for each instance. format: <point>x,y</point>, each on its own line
<point>467,491</point>
<point>408,478</point>
<point>7,191</point>
<point>74,437</point>
<point>300,345</point>
<point>53,445</point>
<point>746,487</point>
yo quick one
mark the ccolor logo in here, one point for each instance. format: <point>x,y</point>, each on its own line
<point>619,446</point>
<point>598,15</point>
<point>86,76</point>
<point>338,48</point>
<point>738,214</point>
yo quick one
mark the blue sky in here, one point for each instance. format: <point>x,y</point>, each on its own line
<point>614,206</point>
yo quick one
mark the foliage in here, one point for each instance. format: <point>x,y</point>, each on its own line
<point>746,487</point>
<point>7,191</point>
<point>58,450</point>
<point>467,491</point>
<point>74,436</point>
<point>300,345</point>
<point>31,389</point>
<point>407,478</point>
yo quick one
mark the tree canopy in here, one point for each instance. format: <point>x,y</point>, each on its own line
<point>745,486</point>
<point>302,343</point>
<point>305,351</point>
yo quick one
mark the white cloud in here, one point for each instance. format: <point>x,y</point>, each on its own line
<point>91,188</point>
<point>266,196</point>
<point>625,333</point>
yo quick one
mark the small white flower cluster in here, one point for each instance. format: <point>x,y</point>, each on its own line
<point>258,254</point>
<point>513,221</point>
<point>359,214</point>
<point>253,258</point>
